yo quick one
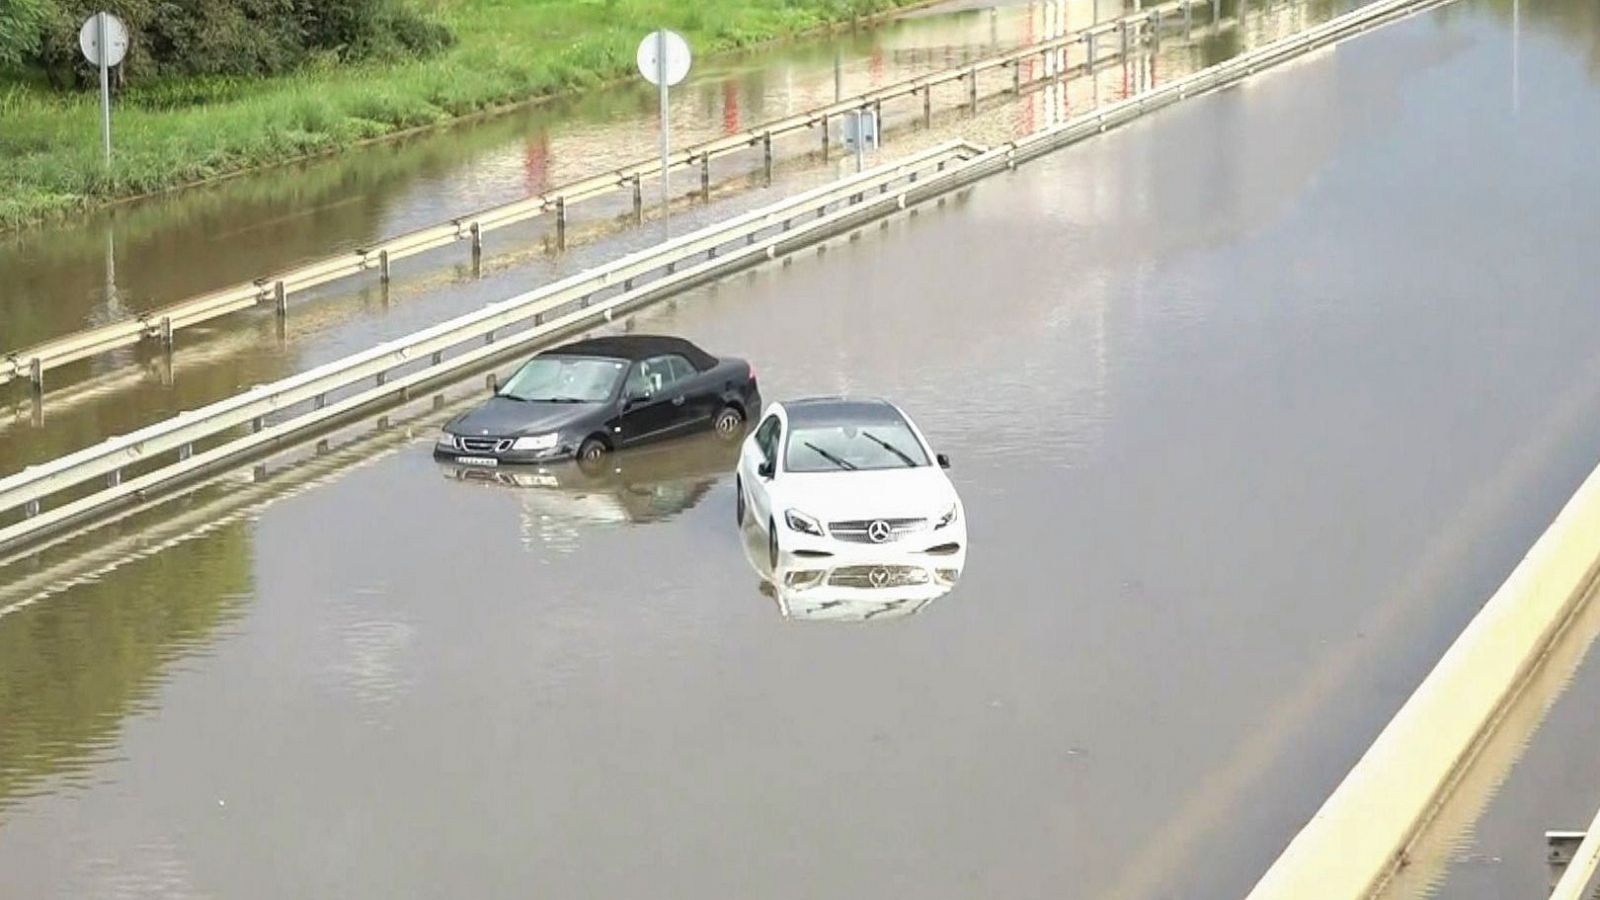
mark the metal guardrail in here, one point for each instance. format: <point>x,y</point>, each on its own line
<point>570,304</point>
<point>398,366</point>
<point>1579,855</point>
<point>163,322</point>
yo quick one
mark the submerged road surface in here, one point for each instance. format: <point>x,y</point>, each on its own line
<point>1251,405</point>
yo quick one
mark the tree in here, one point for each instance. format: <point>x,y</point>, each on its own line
<point>21,23</point>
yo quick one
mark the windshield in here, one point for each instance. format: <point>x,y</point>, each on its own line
<point>851,447</point>
<point>565,379</point>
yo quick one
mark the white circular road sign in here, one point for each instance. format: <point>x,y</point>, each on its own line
<point>116,39</point>
<point>677,57</point>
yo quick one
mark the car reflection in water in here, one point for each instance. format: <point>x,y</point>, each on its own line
<point>820,589</point>
<point>650,484</point>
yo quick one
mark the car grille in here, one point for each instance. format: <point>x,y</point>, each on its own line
<point>484,444</point>
<point>878,576</point>
<point>859,531</point>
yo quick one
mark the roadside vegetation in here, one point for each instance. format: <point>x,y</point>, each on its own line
<point>219,86</point>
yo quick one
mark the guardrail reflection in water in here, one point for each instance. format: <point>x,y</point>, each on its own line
<point>163,323</point>
<point>167,452</point>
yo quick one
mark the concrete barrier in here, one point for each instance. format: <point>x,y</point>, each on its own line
<point>1359,837</point>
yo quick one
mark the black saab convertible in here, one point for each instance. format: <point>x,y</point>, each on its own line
<point>587,398</point>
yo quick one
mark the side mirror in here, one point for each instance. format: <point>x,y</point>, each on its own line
<point>766,469</point>
<point>944,461</point>
<point>633,398</point>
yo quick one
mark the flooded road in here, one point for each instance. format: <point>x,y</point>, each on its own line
<point>224,237</point>
<point>1251,405</point>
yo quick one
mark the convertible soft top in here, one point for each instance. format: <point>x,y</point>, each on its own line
<point>635,347</point>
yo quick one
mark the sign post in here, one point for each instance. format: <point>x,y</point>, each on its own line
<point>663,58</point>
<point>104,40</point>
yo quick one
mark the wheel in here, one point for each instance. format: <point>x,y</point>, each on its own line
<point>772,545</point>
<point>738,501</point>
<point>727,422</point>
<point>590,454</point>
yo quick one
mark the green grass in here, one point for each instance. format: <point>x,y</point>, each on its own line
<point>178,132</point>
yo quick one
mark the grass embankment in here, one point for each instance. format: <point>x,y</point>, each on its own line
<point>179,132</point>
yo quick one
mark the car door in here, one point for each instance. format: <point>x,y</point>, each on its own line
<point>648,412</point>
<point>760,448</point>
<point>701,400</point>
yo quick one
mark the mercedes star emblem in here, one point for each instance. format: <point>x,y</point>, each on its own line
<point>878,531</point>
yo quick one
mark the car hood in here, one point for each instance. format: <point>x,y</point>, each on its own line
<point>504,417</point>
<point>923,492</point>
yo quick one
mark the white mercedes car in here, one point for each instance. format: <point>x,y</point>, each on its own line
<point>850,478</point>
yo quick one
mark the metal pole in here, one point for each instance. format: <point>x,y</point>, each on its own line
<point>105,85</point>
<point>666,133</point>
<point>860,140</point>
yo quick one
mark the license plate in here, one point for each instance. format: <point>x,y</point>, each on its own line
<point>477,460</point>
<point>544,481</point>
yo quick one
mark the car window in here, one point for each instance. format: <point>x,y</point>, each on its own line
<point>680,368</point>
<point>651,376</point>
<point>767,438</point>
<point>852,446</point>
<point>564,379</point>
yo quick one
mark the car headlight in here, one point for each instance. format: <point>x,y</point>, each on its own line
<point>446,440</point>
<point>801,522</point>
<point>948,517</point>
<point>536,441</point>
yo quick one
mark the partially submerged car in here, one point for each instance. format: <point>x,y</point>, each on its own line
<point>587,398</point>
<point>836,477</point>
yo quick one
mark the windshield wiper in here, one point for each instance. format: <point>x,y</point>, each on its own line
<point>889,447</point>
<point>841,463</point>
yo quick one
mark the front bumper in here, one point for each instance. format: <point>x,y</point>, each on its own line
<point>926,545</point>
<point>558,453</point>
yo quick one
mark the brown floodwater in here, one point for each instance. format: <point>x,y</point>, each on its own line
<point>1251,405</point>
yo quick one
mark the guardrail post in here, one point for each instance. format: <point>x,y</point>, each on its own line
<point>638,199</point>
<point>927,105</point>
<point>438,357</point>
<point>383,266</point>
<point>255,425</point>
<point>1122,29</point>
<point>705,176</point>
<point>1155,27</point>
<point>166,333</point>
<point>31,509</point>
<point>477,240</point>
<point>824,138</point>
<point>319,401</point>
<point>114,478</point>
<point>1088,53</point>
<point>1016,77</point>
<point>36,374</point>
<point>766,156</point>
<point>972,88</point>
<point>561,223</point>
<point>280,297</point>
<point>382,378</point>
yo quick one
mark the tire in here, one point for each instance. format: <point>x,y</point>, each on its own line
<point>772,545</point>
<point>738,502</point>
<point>728,422</point>
<point>591,454</point>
